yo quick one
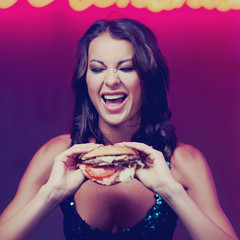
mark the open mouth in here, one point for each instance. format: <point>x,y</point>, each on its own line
<point>113,100</point>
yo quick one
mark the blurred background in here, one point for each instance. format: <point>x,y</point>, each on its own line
<point>202,48</point>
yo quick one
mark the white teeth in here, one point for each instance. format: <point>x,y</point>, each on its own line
<point>111,97</point>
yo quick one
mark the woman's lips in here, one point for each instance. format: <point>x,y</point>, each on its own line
<point>114,102</point>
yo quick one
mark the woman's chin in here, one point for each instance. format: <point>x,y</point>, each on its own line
<point>115,122</point>
<point>118,121</point>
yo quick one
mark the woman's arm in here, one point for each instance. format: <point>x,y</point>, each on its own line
<point>50,177</point>
<point>198,207</point>
<point>191,169</point>
<point>24,222</point>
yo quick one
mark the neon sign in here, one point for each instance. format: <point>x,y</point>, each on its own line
<point>152,5</point>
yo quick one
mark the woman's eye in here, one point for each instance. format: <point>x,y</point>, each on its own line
<point>97,70</point>
<point>126,69</point>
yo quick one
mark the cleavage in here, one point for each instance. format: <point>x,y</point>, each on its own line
<point>113,208</point>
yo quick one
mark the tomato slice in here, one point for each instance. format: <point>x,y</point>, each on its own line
<point>99,173</point>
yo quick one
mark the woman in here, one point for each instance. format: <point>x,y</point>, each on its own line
<point>120,85</point>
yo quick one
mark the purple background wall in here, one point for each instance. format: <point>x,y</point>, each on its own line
<point>36,59</point>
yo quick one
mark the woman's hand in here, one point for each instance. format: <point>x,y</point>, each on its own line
<point>65,177</point>
<point>156,175</point>
<point>201,216</point>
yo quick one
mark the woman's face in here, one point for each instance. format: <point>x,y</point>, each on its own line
<point>113,84</point>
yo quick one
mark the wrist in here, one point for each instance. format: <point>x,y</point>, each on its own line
<point>170,191</point>
<point>52,195</point>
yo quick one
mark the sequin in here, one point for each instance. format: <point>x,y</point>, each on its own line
<point>159,223</point>
<point>157,214</point>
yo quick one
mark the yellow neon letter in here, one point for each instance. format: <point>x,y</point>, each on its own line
<point>139,3</point>
<point>221,5</point>
<point>193,4</point>
<point>7,3</point>
<point>159,5</point>
<point>208,4</point>
<point>103,3</point>
<point>80,5</point>
<point>224,5</point>
<point>236,4</point>
<point>122,3</point>
<point>40,3</point>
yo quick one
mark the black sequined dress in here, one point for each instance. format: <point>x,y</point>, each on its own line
<point>159,224</point>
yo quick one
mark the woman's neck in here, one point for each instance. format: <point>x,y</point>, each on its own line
<point>116,134</point>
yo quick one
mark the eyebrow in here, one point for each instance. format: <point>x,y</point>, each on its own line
<point>123,61</point>
<point>95,60</point>
<point>118,64</point>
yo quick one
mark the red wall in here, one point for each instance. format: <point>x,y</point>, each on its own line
<point>36,59</point>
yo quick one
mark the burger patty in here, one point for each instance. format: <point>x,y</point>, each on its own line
<point>124,160</point>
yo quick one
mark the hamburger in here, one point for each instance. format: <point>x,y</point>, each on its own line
<point>108,165</point>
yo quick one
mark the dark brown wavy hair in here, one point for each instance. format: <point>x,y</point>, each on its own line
<point>156,129</point>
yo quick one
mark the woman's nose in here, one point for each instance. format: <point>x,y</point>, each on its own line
<point>112,78</point>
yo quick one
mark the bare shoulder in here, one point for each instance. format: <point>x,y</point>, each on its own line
<point>46,154</point>
<point>39,168</point>
<point>185,153</point>
<point>190,168</point>
<point>188,163</point>
<point>43,159</point>
<point>36,174</point>
<point>61,142</point>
